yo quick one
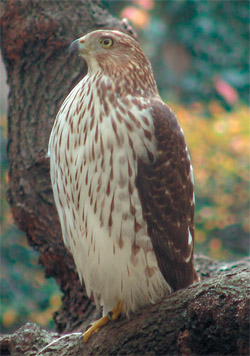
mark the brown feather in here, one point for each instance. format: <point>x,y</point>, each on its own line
<point>166,192</point>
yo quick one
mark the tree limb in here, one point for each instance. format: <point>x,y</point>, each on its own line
<point>207,318</point>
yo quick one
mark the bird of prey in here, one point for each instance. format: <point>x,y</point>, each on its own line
<point>122,180</point>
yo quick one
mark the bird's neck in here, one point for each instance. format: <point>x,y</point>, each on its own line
<point>138,82</point>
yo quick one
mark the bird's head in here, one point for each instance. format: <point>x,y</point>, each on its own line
<point>105,46</point>
<point>114,53</point>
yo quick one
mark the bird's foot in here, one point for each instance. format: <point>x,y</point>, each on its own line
<point>95,327</point>
<point>117,310</point>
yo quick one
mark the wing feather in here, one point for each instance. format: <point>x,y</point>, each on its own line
<point>166,192</point>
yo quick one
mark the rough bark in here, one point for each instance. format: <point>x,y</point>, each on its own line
<point>208,318</point>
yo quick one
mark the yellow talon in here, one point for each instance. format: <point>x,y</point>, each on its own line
<point>95,327</point>
<point>117,310</point>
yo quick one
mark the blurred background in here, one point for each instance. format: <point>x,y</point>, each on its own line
<point>199,51</point>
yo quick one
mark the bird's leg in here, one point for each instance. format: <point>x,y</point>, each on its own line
<point>117,310</point>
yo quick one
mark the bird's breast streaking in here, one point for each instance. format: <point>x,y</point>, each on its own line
<point>122,180</point>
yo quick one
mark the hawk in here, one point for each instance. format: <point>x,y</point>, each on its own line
<point>122,180</point>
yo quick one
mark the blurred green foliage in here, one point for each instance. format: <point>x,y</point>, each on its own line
<point>199,53</point>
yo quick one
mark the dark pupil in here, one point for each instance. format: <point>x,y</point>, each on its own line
<point>106,41</point>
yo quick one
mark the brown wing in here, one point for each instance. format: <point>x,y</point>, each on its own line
<point>166,192</point>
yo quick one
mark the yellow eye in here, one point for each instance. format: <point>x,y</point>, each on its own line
<point>106,42</point>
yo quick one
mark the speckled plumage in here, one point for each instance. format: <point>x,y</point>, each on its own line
<point>122,179</point>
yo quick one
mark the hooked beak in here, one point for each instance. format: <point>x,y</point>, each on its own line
<point>78,46</point>
<point>73,48</point>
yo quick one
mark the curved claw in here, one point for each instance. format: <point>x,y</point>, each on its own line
<point>117,310</point>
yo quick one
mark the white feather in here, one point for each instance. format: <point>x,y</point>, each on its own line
<point>105,261</point>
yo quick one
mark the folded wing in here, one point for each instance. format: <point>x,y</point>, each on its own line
<point>166,190</point>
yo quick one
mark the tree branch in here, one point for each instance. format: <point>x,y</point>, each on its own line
<point>208,318</point>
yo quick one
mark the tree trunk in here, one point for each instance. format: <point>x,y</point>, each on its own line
<point>41,72</point>
<point>207,318</point>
